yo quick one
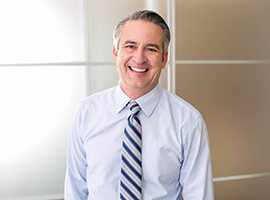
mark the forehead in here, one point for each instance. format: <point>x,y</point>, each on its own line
<point>141,31</point>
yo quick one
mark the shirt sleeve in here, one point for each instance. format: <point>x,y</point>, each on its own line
<point>76,182</point>
<point>196,172</point>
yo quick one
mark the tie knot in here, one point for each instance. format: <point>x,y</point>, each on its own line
<point>134,107</point>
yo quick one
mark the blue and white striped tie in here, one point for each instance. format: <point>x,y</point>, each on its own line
<point>131,157</point>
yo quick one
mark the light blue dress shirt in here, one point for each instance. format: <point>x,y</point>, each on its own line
<point>175,151</point>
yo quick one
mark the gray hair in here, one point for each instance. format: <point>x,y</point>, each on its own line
<point>149,16</point>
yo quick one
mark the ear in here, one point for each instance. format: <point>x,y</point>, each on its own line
<point>115,54</point>
<point>164,59</point>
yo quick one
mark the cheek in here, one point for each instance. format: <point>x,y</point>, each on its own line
<point>157,60</point>
<point>157,64</point>
<point>122,57</point>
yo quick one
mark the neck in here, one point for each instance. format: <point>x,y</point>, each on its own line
<point>135,93</point>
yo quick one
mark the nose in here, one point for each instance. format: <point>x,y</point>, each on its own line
<point>139,56</point>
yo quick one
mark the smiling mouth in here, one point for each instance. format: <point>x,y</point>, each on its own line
<point>139,70</point>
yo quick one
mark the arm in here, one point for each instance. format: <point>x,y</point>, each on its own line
<point>76,183</point>
<point>196,174</point>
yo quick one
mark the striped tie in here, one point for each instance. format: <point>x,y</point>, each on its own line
<point>131,157</point>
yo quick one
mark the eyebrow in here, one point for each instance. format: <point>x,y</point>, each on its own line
<point>129,42</point>
<point>148,45</point>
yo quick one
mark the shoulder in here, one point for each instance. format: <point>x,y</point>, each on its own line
<point>188,119</point>
<point>178,104</point>
<point>183,114</point>
<point>100,96</point>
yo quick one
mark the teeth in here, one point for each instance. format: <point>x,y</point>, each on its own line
<point>138,69</point>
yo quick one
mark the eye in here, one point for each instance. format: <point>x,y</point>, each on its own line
<point>129,46</point>
<point>152,49</point>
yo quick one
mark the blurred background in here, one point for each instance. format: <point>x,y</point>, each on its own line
<point>53,53</point>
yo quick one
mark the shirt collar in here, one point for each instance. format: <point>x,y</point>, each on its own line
<point>121,100</point>
<point>147,102</point>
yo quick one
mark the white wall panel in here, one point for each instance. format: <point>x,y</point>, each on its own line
<point>35,31</point>
<point>37,104</point>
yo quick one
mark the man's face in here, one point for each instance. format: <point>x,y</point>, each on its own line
<point>139,57</point>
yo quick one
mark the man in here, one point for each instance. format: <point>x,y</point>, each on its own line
<point>136,140</point>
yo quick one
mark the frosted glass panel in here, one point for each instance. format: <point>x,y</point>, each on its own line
<point>41,31</point>
<point>37,105</point>
<point>247,189</point>
<point>235,101</point>
<point>101,77</point>
<point>226,29</point>
<point>103,17</point>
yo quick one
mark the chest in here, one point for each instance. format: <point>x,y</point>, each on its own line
<point>161,149</point>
